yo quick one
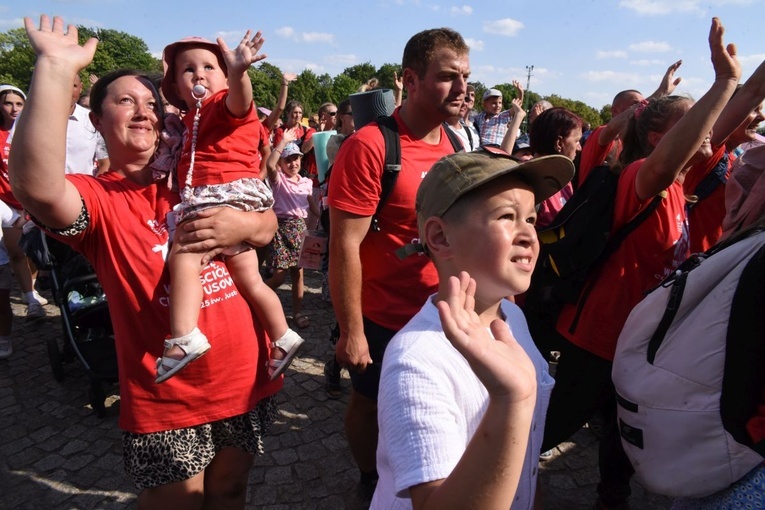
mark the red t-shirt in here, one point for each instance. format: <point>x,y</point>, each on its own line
<point>393,290</point>
<point>706,217</point>
<point>127,243</point>
<point>6,195</point>
<point>309,160</point>
<point>593,154</point>
<point>225,150</point>
<point>649,254</point>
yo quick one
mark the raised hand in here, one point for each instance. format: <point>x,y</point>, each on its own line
<point>50,41</point>
<point>398,82</point>
<point>669,82</point>
<point>500,363</point>
<point>244,55</point>
<point>290,135</point>
<point>516,106</point>
<point>519,88</point>
<point>288,78</point>
<point>723,57</point>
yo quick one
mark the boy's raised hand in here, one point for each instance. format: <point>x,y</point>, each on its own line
<point>519,88</point>
<point>50,40</point>
<point>500,363</point>
<point>244,55</point>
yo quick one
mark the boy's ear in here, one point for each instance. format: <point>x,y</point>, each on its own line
<point>436,239</point>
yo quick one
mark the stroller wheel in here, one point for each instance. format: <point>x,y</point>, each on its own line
<point>54,356</point>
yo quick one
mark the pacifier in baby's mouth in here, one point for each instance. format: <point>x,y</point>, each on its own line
<point>199,92</point>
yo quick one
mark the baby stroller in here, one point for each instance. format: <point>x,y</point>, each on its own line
<point>87,329</point>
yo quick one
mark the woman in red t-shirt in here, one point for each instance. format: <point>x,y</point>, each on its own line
<point>664,138</point>
<point>191,441</point>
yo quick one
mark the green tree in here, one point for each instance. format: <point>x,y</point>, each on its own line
<point>266,84</point>
<point>306,89</point>
<point>117,50</point>
<point>587,113</point>
<point>605,115</point>
<point>343,86</point>
<point>361,72</point>
<point>17,58</point>
<point>385,74</point>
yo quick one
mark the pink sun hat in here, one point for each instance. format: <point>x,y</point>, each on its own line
<point>168,63</point>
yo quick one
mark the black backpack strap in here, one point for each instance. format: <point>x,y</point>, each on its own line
<point>389,129</point>
<point>620,235</point>
<point>469,135</point>
<point>708,184</point>
<point>613,244</point>
<point>673,305</point>
<point>454,139</point>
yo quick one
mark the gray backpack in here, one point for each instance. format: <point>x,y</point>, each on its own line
<point>689,371</point>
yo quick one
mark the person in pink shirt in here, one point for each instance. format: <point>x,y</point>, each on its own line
<point>293,199</point>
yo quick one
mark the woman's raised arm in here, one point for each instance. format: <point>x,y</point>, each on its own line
<point>37,161</point>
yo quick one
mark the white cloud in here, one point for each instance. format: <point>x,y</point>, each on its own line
<point>751,61</point>
<point>646,62</point>
<point>650,47</point>
<point>611,54</point>
<point>474,44</point>
<point>465,10</point>
<point>316,37</point>
<point>285,31</point>
<point>508,27</point>
<point>232,37</point>
<point>343,60</point>
<point>7,24</point>
<point>661,7</point>
<point>296,65</point>
<point>306,37</point>
<point>610,76</point>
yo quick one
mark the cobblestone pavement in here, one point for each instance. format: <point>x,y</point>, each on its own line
<point>55,453</point>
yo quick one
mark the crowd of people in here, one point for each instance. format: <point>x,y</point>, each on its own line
<point>452,402</point>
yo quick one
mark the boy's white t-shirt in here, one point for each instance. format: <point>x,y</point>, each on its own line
<point>430,403</point>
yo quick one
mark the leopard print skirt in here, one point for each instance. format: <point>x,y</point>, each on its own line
<point>172,456</point>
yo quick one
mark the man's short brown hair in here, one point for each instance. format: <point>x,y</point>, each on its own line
<point>419,51</point>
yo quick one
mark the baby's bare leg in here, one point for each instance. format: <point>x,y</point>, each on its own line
<point>263,300</point>
<point>185,295</point>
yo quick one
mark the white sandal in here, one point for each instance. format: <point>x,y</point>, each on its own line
<point>290,342</point>
<point>195,345</point>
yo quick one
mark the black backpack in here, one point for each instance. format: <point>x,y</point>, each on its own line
<point>574,247</point>
<point>389,129</point>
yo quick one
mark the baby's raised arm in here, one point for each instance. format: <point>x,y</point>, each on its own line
<point>237,61</point>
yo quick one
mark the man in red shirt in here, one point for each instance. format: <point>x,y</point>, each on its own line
<point>374,294</point>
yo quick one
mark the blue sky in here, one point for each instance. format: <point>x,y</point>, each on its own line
<point>580,49</point>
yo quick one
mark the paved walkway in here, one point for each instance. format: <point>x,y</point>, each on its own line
<point>55,453</point>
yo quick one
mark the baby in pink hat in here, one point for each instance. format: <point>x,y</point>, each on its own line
<point>218,167</point>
